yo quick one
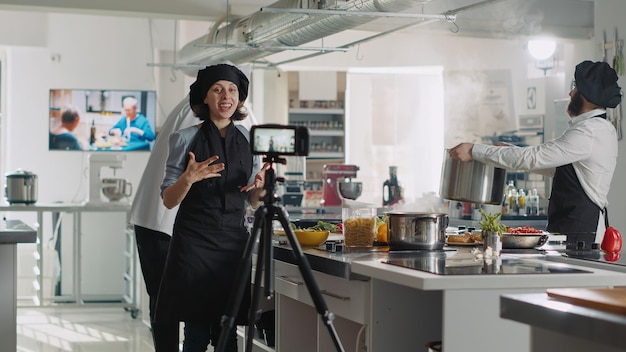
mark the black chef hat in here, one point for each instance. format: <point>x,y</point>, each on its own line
<point>597,82</point>
<point>211,74</point>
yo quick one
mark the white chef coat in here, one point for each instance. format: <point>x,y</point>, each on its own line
<point>589,144</point>
<point>147,209</point>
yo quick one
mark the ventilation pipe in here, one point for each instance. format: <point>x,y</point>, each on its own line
<point>266,30</point>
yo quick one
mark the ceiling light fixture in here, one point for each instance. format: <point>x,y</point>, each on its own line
<point>543,52</point>
<point>541,49</point>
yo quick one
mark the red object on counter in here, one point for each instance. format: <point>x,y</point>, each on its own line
<point>612,241</point>
<point>612,256</point>
<point>333,173</point>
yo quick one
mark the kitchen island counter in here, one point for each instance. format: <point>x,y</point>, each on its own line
<point>557,325</point>
<point>455,309</point>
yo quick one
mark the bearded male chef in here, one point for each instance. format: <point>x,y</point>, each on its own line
<point>581,161</point>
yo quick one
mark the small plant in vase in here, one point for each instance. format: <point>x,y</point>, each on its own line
<point>491,223</point>
<point>491,229</point>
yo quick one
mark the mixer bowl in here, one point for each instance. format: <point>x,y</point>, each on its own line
<point>349,189</point>
<point>116,188</point>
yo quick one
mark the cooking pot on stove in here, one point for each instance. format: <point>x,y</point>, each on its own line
<point>412,230</point>
<point>471,181</point>
<point>21,187</point>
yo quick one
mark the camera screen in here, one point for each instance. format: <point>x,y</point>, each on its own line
<point>274,140</point>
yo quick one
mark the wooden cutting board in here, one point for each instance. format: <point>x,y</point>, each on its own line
<point>606,299</point>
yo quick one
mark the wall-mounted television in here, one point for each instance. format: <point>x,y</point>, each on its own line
<point>108,120</point>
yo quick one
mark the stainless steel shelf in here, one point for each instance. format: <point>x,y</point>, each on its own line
<point>317,111</point>
<point>327,155</point>
<point>326,133</point>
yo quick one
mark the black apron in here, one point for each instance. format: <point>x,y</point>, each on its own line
<point>570,210</point>
<point>209,235</point>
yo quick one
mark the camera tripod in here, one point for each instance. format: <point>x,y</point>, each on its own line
<point>262,230</point>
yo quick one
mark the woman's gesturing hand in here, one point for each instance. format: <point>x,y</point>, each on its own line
<point>200,170</point>
<point>259,179</point>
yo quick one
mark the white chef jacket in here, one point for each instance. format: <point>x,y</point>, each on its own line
<point>147,209</point>
<point>589,144</point>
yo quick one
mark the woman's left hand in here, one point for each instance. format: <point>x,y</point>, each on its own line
<point>259,179</point>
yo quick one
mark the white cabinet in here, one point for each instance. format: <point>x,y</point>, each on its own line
<point>299,325</point>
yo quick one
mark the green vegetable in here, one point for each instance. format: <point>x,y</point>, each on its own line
<point>324,226</point>
<point>491,223</point>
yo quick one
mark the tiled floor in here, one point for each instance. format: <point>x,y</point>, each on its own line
<point>81,329</point>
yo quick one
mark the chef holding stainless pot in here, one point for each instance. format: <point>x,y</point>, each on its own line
<point>581,161</point>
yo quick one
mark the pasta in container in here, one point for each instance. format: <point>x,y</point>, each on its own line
<point>359,226</point>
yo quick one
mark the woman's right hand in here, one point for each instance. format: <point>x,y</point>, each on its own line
<point>201,170</point>
<point>195,171</point>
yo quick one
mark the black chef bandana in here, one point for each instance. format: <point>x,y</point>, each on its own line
<point>211,74</point>
<point>597,82</point>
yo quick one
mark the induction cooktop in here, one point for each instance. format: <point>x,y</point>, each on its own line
<point>442,263</point>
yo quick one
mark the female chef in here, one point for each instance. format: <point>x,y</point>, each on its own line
<point>212,174</point>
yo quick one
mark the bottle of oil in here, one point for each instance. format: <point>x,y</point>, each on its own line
<point>92,132</point>
<point>513,205</point>
<point>508,194</point>
<point>521,202</point>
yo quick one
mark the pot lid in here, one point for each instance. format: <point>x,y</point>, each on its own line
<point>21,173</point>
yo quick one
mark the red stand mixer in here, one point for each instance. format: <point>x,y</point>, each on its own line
<point>334,176</point>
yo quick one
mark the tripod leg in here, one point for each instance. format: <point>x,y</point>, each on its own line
<point>309,280</point>
<point>264,252</point>
<point>228,320</point>
<point>269,258</point>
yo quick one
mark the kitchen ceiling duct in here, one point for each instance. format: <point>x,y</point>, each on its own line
<point>261,32</point>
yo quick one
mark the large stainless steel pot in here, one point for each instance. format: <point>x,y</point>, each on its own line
<point>21,187</point>
<point>408,230</point>
<point>472,181</point>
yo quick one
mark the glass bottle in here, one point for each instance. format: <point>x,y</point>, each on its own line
<point>506,202</point>
<point>521,202</point>
<point>92,132</point>
<point>391,187</point>
<point>533,203</point>
<point>513,206</point>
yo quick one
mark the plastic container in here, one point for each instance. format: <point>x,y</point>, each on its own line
<point>359,226</point>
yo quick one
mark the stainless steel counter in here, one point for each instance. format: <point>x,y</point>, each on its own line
<point>12,232</point>
<point>94,228</point>
<point>335,264</point>
<point>66,207</point>
<point>15,231</point>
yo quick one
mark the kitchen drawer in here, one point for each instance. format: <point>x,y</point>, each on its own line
<point>345,298</point>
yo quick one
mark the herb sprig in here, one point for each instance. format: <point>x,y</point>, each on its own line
<point>491,223</point>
